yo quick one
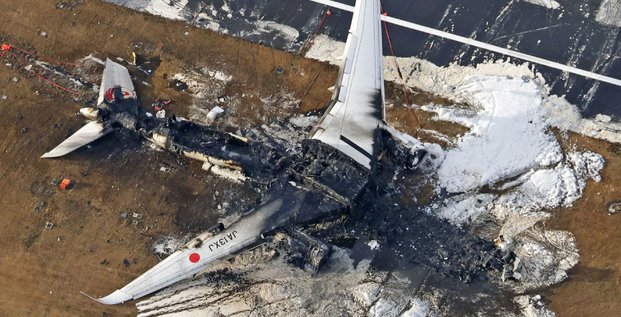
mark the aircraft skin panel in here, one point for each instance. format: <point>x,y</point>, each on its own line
<point>87,134</point>
<point>114,75</point>
<point>358,102</point>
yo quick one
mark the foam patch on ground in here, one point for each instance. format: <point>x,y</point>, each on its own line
<point>507,137</point>
<point>510,151</point>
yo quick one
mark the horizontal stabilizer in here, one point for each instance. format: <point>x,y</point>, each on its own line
<point>87,134</point>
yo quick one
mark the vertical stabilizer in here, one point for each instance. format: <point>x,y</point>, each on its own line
<point>115,75</point>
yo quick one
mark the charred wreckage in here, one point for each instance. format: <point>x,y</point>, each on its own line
<point>309,183</point>
<point>348,165</point>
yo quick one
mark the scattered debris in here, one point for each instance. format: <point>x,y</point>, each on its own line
<point>222,99</point>
<point>614,207</point>
<point>5,97</point>
<point>306,252</point>
<point>136,215</point>
<point>124,214</point>
<point>206,166</point>
<point>373,245</point>
<point>230,174</point>
<point>39,206</point>
<point>15,79</point>
<point>161,114</point>
<point>167,245</point>
<point>104,262</point>
<point>43,34</point>
<point>178,85</point>
<point>215,229</point>
<point>215,113</point>
<point>147,66</point>
<point>165,169</point>
<point>49,225</point>
<point>279,70</point>
<point>533,306</point>
<point>66,184</point>
<point>68,4</point>
<point>159,104</point>
<point>136,58</point>
<point>55,181</point>
<point>126,262</point>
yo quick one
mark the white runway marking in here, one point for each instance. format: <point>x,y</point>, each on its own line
<point>483,45</point>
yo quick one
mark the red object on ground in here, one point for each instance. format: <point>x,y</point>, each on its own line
<point>195,257</point>
<point>328,13</point>
<point>5,47</point>
<point>65,184</point>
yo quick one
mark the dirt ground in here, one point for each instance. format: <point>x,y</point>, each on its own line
<point>594,285</point>
<point>43,270</point>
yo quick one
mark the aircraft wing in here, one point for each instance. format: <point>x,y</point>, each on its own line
<point>191,259</point>
<point>115,75</point>
<point>287,202</point>
<point>357,107</point>
<point>87,134</point>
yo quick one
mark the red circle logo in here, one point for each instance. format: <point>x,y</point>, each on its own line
<point>194,257</point>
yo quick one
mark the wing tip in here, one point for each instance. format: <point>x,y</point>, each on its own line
<point>89,296</point>
<point>118,297</point>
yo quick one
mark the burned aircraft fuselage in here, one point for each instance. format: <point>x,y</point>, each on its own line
<point>313,177</point>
